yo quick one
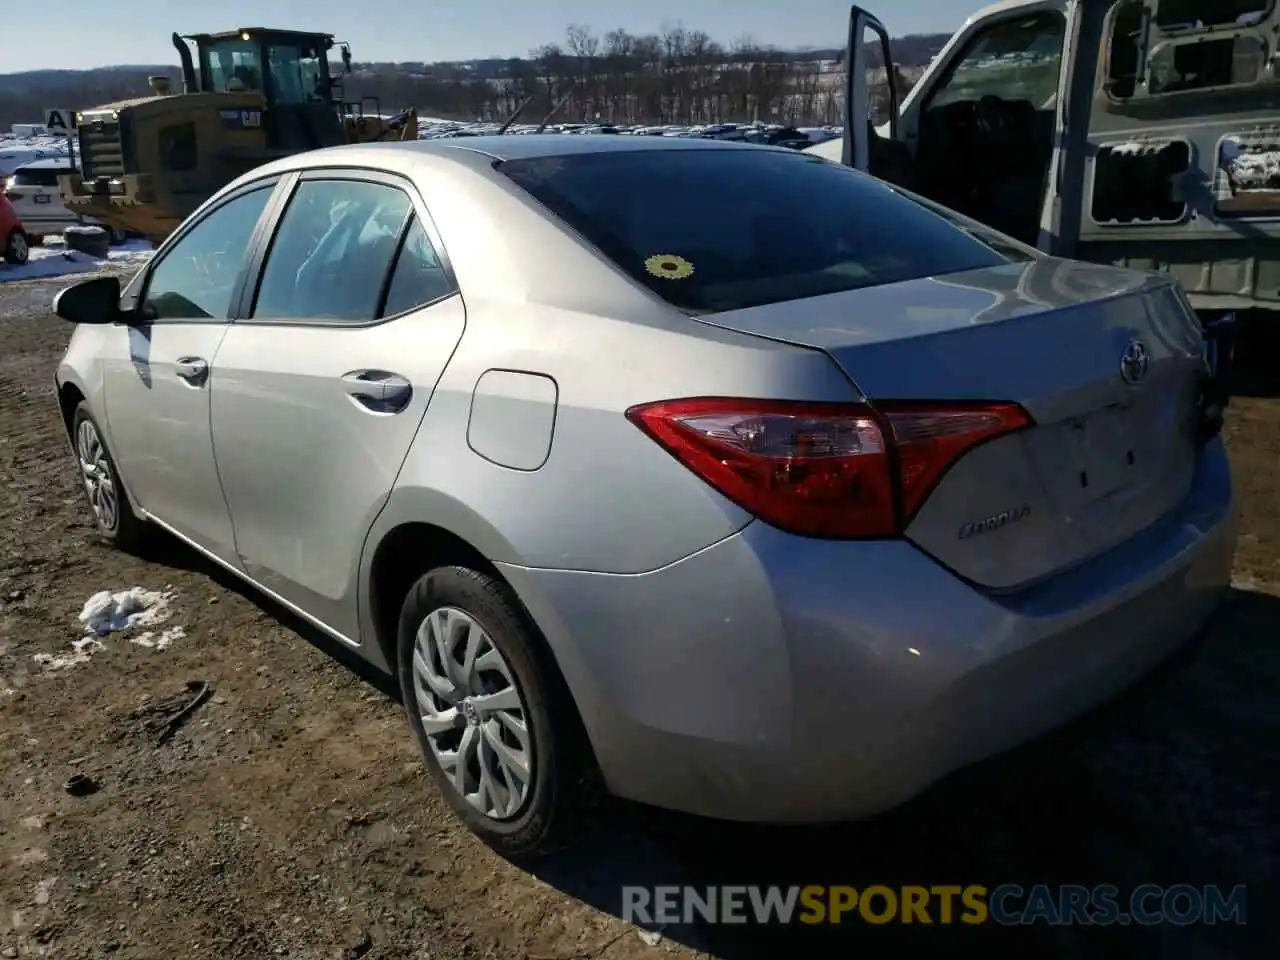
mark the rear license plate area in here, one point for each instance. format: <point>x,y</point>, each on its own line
<point>1106,458</point>
<point>1086,460</point>
<point>42,198</point>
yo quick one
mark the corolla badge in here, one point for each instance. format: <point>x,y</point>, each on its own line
<point>987,524</point>
<point>1134,362</point>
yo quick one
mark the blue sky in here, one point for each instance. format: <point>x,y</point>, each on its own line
<point>137,31</point>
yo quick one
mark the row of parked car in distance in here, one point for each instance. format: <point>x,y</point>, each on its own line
<point>772,134</point>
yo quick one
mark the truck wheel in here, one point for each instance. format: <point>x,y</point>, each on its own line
<point>16,250</point>
<point>118,236</point>
<point>93,241</point>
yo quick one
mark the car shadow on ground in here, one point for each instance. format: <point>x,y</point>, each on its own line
<point>1105,801</point>
<point>172,552</point>
<point>1054,812</point>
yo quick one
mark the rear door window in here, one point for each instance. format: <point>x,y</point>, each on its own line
<point>711,230</point>
<point>419,277</point>
<point>332,253</point>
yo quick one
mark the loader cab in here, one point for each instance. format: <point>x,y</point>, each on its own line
<point>289,69</point>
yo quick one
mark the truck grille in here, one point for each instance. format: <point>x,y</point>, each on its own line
<point>105,148</point>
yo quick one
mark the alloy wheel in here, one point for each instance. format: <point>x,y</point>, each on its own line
<point>95,471</point>
<point>472,713</point>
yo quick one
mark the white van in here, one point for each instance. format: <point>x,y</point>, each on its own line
<point>33,190</point>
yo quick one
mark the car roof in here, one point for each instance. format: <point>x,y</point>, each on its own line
<point>485,149</point>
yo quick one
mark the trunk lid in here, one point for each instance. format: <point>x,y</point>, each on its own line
<point>1108,455</point>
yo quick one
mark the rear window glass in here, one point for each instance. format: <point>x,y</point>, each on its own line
<point>716,230</point>
<point>37,178</point>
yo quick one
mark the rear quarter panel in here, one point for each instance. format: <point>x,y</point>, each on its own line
<point>607,498</point>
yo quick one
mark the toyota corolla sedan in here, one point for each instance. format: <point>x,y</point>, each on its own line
<point>723,476</point>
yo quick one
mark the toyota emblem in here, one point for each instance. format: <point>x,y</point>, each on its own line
<point>1134,362</point>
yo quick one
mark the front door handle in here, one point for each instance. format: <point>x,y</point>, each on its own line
<point>194,370</point>
<point>378,391</point>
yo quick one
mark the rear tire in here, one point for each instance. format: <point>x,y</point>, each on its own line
<point>16,250</point>
<point>113,516</point>
<point>508,712</point>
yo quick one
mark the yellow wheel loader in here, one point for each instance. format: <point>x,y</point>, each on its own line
<point>249,96</point>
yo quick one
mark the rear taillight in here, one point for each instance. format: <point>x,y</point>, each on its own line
<point>929,438</point>
<point>824,469</point>
<point>12,195</point>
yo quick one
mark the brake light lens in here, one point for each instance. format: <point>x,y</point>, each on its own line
<point>842,471</point>
<point>930,439</point>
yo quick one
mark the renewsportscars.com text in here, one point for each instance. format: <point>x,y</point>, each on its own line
<point>1007,904</point>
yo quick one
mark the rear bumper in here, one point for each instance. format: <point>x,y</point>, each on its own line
<point>776,678</point>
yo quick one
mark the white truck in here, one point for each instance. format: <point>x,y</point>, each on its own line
<point>1132,132</point>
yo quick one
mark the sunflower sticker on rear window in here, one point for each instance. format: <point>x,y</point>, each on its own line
<point>668,266</point>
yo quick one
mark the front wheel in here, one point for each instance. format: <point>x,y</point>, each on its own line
<point>493,718</point>
<point>112,514</point>
<point>16,250</point>
<point>118,236</point>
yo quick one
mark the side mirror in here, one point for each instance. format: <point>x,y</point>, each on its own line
<point>91,301</point>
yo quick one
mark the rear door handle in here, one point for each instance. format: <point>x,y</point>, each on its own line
<point>194,370</point>
<point>378,391</point>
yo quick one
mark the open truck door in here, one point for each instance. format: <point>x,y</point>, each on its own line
<point>982,131</point>
<point>861,146</point>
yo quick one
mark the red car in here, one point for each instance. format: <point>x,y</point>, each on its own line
<point>13,236</point>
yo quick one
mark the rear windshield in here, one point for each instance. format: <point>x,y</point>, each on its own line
<point>37,177</point>
<point>716,230</point>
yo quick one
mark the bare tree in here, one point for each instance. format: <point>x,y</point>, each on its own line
<point>676,75</point>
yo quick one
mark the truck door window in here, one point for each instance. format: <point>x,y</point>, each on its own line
<point>1014,60</point>
<point>986,132</point>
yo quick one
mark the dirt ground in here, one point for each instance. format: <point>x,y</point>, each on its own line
<point>291,815</point>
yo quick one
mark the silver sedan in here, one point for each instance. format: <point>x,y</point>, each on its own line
<point>722,476</point>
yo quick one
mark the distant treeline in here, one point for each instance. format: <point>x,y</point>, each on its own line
<point>676,76</point>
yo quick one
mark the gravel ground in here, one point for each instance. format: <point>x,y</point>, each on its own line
<point>291,815</point>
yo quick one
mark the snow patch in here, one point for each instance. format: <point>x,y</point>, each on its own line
<point>105,613</point>
<point>1136,148</point>
<point>55,259</point>
<point>18,151</point>
<point>161,642</point>
<point>81,651</point>
<point>1249,168</point>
